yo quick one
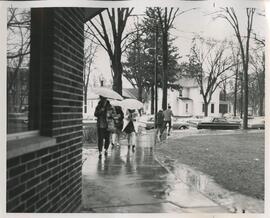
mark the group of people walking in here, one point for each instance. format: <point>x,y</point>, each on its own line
<point>111,121</point>
<point>163,119</point>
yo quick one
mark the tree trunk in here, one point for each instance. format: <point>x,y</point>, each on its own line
<point>152,98</point>
<point>241,97</point>
<point>117,78</point>
<point>165,69</point>
<point>85,101</point>
<point>261,105</point>
<point>139,92</point>
<point>245,119</point>
<point>205,109</point>
<point>117,69</point>
<point>262,95</point>
<point>235,91</point>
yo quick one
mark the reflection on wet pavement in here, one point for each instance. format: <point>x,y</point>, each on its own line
<point>127,181</point>
<point>235,202</point>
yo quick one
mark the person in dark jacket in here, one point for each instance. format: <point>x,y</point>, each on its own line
<point>102,125</point>
<point>118,121</point>
<point>168,114</point>
<point>160,123</point>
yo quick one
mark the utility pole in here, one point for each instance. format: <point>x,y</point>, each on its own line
<point>156,87</point>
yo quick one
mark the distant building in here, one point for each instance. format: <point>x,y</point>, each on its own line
<point>188,101</point>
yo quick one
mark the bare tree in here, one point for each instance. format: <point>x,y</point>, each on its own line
<point>230,16</point>
<point>18,50</point>
<point>90,50</point>
<point>237,84</point>
<point>115,43</point>
<point>257,61</point>
<point>166,17</point>
<point>209,65</point>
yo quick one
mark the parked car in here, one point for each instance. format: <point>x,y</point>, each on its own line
<point>193,121</point>
<point>148,122</point>
<point>218,123</point>
<point>256,123</point>
<point>179,123</point>
<point>234,119</point>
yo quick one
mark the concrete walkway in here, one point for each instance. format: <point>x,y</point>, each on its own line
<point>135,182</point>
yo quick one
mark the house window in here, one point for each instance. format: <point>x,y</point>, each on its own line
<point>186,108</point>
<point>212,108</point>
<point>203,107</point>
<point>180,92</point>
<point>18,59</point>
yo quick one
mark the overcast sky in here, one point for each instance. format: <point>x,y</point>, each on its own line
<point>199,21</point>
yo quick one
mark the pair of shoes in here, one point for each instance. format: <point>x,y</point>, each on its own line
<point>133,148</point>
<point>99,155</point>
<point>106,152</point>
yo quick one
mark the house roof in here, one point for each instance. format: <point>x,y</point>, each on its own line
<point>133,93</point>
<point>130,93</point>
<point>187,82</point>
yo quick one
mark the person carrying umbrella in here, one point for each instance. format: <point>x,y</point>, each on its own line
<point>118,117</point>
<point>131,127</point>
<point>102,124</point>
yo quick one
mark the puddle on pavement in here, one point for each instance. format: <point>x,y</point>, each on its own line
<point>235,202</point>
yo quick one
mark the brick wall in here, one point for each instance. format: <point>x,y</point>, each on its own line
<point>49,180</point>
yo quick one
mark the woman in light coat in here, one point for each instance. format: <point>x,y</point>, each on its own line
<point>131,127</point>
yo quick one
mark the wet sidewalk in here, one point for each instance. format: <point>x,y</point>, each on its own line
<point>135,182</point>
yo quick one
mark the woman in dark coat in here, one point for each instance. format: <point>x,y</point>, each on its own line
<point>102,125</point>
<point>118,121</point>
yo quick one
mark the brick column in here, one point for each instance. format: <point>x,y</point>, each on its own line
<point>49,180</point>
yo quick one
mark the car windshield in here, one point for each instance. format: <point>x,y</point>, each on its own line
<point>219,120</point>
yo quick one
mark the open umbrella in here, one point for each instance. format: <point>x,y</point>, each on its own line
<point>107,93</point>
<point>132,104</point>
<point>116,103</point>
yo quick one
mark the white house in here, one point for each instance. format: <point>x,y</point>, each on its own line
<point>188,101</point>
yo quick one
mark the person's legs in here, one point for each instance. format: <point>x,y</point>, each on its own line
<point>159,132</point>
<point>118,134</point>
<point>114,135</point>
<point>100,133</point>
<point>170,126</point>
<point>164,126</point>
<point>107,140</point>
<point>129,138</point>
<point>133,140</point>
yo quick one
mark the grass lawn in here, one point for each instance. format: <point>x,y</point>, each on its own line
<point>235,161</point>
